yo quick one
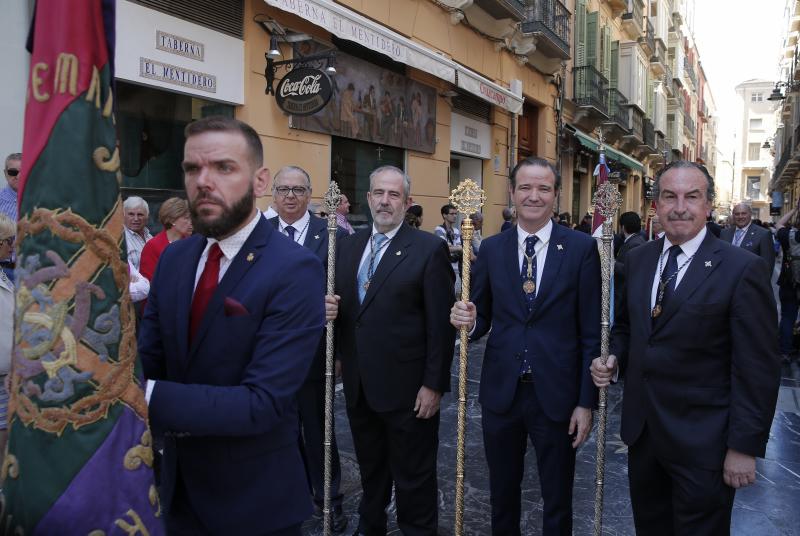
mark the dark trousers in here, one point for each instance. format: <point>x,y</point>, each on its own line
<point>181,519</point>
<point>505,438</point>
<point>311,406</point>
<point>396,447</point>
<point>789,306</point>
<point>671,499</point>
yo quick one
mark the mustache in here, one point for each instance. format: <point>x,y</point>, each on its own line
<point>206,196</point>
<point>678,217</point>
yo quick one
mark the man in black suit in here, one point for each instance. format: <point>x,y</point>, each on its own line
<point>746,235</point>
<point>394,287</point>
<point>700,388</point>
<point>632,237</point>
<point>537,287</point>
<point>291,192</point>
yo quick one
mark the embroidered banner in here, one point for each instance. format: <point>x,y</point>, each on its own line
<point>79,458</point>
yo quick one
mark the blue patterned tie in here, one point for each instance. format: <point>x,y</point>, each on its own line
<point>289,232</point>
<point>530,243</point>
<point>737,237</point>
<point>369,265</point>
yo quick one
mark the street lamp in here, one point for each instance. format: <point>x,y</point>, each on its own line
<point>777,95</point>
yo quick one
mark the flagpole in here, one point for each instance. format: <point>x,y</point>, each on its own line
<point>607,200</point>
<point>468,198</point>
<point>331,202</point>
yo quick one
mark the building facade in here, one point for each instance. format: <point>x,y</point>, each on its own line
<point>446,90</point>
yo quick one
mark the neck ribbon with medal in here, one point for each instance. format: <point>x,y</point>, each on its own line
<point>529,285</point>
<point>662,283</point>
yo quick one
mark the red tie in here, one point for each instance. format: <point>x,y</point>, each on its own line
<point>205,289</point>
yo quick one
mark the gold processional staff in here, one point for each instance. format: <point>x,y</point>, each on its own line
<point>468,198</point>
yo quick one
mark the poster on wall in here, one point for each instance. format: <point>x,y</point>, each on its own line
<point>375,105</point>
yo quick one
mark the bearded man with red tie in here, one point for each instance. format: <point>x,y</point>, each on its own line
<point>232,323</point>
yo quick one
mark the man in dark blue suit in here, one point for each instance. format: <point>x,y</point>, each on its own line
<point>696,338</point>
<point>291,191</point>
<point>232,323</point>
<point>537,287</point>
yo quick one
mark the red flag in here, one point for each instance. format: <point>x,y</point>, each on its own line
<point>601,172</point>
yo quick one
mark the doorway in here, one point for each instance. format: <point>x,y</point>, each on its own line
<point>351,163</point>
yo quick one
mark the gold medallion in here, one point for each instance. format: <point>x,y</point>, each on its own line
<point>529,286</point>
<point>656,310</point>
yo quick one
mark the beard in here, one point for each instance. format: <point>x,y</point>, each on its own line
<point>231,218</point>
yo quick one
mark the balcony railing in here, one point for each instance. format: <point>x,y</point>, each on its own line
<point>618,108</point>
<point>783,161</point>
<point>667,79</point>
<point>503,9</point>
<point>689,125</point>
<point>636,122</point>
<point>648,42</point>
<point>649,134</point>
<point>549,20</point>
<point>591,88</point>
<point>634,16</point>
<point>687,67</point>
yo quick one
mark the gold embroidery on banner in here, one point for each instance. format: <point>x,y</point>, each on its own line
<point>104,160</point>
<point>36,82</point>
<point>140,453</point>
<point>66,74</point>
<point>132,529</point>
<point>154,499</point>
<point>10,466</point>
<point>93,93</point>
<point>109,105</point>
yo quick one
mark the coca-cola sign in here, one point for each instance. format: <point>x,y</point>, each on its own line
<point>303,91</point>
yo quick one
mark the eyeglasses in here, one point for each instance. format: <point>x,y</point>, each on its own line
<point>298,191</point>
<point>12,172</point>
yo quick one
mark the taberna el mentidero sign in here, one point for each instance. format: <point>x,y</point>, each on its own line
<point>303,91</point>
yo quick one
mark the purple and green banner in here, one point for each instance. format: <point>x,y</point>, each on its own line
<point>79,458</point>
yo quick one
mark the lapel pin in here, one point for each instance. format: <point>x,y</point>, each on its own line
<point>708,264</point>
<point>560,247</point>
<point>316,237</point>
<point>398,253</point>
<point>250,257</point>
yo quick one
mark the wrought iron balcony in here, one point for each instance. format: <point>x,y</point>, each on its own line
<point>617,110</point>
<point>648,41</point>
<point>649,135</point>
<point>633,20</point>
<point>689,126</point>
<point>549,21</point>
<point>636,124</point>
<point>503,9</point>
<point>689,70</point>
<point>591,88</point>
<point>667,80</point>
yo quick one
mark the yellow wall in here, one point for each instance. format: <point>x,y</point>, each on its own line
<point>424,22</point>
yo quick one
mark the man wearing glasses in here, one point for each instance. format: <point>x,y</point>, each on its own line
<point>291,193</point>
<point>8,195</point>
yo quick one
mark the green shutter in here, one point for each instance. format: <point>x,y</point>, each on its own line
<point>614,77</point>
<point>580,33</point>
<point>607,52</point>
<point>592,27</point>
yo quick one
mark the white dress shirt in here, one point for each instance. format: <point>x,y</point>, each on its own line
<point>300,227</point>
<point>540,249</point>
<point>687,250</point>
<point>742,234</point>
<point>378,254</point>
<point>230,248</point>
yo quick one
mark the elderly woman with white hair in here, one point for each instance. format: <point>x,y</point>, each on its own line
<point>8,231</point>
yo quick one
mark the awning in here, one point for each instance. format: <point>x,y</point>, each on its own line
<point>611,153</point>
<point>346,24</point>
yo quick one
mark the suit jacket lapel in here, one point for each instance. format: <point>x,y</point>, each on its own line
<point>240,265</point>
<point>394,254</point>
<point>642,281</point>
<point>552,265</point>
<point>315,236</point>
<point>511,262</point>
<point>705,261</point>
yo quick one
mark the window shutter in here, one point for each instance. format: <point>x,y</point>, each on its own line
<point>614,71</point>
<point>580,33</point>
<point>607,52</point>
<point>592,29</point>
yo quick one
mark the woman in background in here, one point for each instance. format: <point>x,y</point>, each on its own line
<point>174,216</point>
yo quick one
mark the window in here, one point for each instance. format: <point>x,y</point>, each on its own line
<point>756,124</point>
<point>754,187</point>
<point>756,97</point>
<point>753,151</point>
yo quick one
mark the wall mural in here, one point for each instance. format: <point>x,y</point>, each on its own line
<point>375,105</point>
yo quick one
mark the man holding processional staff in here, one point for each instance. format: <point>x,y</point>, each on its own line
<point>537,286</point>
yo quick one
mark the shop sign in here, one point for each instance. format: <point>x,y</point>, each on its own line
<point>470,137</point>
<point>303,91</point>
<point>171,74</point>
<point>179,45</point>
